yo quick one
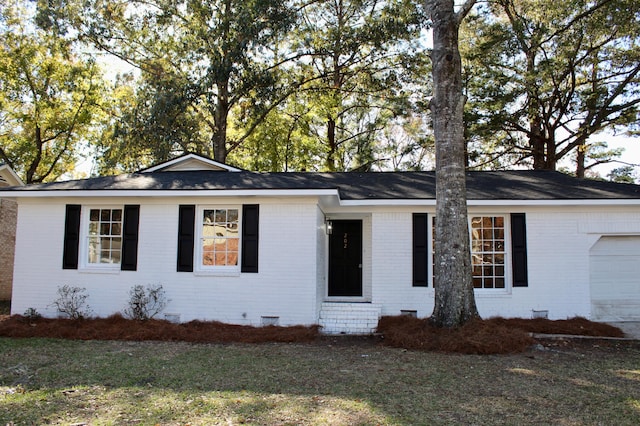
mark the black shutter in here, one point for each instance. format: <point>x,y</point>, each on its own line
<point>519,250</point>
<point>186,238</point>
<point>71,237</point>
<point>250,222</point>
<point>420,250</point>
<point>129,261</point>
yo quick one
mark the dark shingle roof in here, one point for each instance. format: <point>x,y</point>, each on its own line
<point>493,185</point>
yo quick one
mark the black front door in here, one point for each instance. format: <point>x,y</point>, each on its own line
<point>345,258</point>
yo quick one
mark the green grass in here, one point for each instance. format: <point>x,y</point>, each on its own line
<point>46,381</point>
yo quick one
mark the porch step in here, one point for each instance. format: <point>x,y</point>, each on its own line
<point>349,318</point>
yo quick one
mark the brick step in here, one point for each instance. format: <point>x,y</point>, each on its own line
<point>349,318</point>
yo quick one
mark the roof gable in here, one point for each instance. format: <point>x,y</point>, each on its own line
<point>190,162</point>
<point>8,177</point>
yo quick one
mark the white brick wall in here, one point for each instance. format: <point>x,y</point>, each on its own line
<point>558,239</point>
<point>291,283</point>
<point>285,285</point>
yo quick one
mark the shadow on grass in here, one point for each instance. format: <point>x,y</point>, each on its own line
<point>65,381</point>
<point>105,372</point>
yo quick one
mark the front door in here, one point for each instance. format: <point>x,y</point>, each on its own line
<point>345,258</point>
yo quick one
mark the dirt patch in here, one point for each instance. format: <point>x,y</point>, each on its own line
<point>491,336</point>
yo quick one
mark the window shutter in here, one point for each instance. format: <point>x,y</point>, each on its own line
<point>186,237</point>
<point>129,261</point>
<point>71,237</point>
<point>420,250</point>
<point>519,250</point>
<point>250,219</point>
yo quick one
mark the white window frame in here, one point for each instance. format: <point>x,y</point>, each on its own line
<point>508,279</point>
<point>199,267</point>
<point>83,254</point>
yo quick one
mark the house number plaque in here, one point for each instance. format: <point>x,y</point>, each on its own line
<point>345,240</point>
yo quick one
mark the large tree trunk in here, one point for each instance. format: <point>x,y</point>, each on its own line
<point>221,115</point>
<point>454,297</point>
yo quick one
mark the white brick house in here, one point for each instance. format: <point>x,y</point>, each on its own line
<point>335,249</point>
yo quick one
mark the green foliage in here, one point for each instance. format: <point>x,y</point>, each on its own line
<point>543,77</point>
<point>624,174</point>
<point>49,98</point>
<point>239,78</point>
<point>198,61</point>
<point>364,60</point>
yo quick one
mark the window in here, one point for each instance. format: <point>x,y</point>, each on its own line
<point>488,251</point>
<point>102,238</point>
<point>105,236</point>
<point>219,238</point>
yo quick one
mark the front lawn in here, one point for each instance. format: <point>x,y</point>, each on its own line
<point>327,381</point>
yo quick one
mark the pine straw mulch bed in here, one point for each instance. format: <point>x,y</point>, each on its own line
<point>490,336</point>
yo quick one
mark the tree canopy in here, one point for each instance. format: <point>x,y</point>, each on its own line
<point>545,78</point>
<point>49,98</point>
<point>326,85</point>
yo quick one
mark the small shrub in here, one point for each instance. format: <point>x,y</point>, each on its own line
<point>31,314</point>
<point>72,302</point>
<point>145,303</point>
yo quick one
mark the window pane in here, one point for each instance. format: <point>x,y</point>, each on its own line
<point>94,247</point>
<point>104,229</point>
<point>116,215</point>
<point>105,243</point>
<point>221,216</point>
<point>94,215</point>
<point>477,283</point>
<point>116,243</point>
<point>116,229</point>
<point>220,259</point>
<point>105,215</point>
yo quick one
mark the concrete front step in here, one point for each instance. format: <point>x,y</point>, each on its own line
<point>349,318</point>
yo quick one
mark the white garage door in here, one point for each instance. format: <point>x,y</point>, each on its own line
<point>615,279</point>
